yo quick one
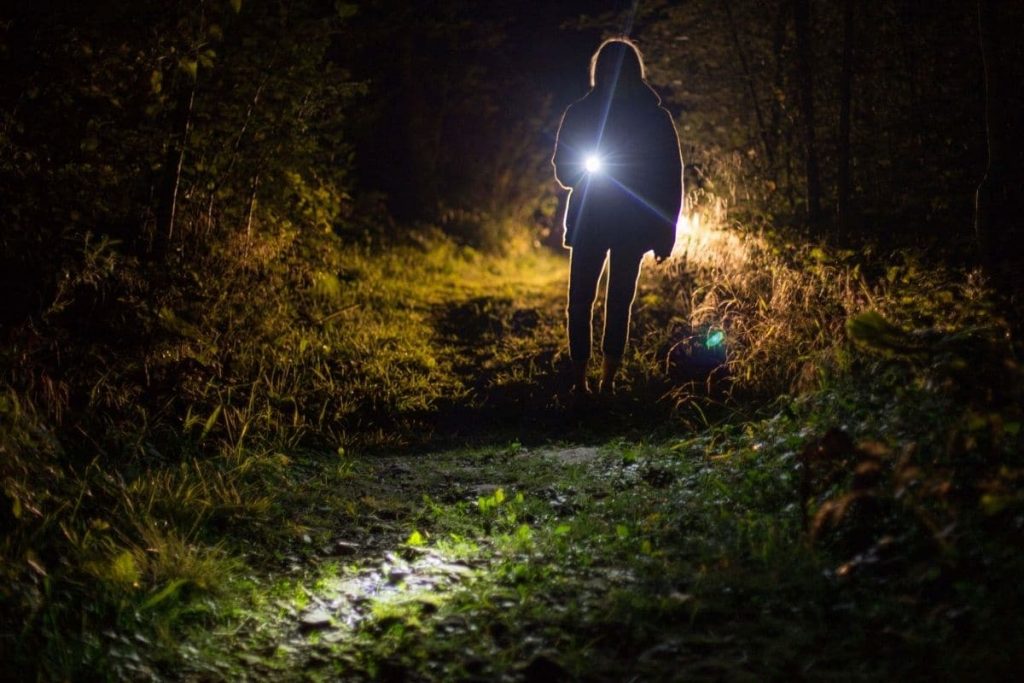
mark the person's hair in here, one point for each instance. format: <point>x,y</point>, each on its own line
<point>617,60</point>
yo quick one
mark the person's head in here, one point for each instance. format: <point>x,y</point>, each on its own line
<point>617,63</point>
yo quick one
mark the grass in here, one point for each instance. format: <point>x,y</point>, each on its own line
<point>633,559</point>
<point>831,491</point>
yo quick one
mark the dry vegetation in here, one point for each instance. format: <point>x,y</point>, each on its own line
<point>138,481</point>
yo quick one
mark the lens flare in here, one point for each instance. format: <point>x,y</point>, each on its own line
<point>592,163</point>
<point>715,338</point>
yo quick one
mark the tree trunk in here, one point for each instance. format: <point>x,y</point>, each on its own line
<point>781,140</point>
<point>252,205</point>
<point>167,205</point>
<point>805,81</point>
<point>998,202</point>
<point>749,78</point>
<point>422,129</point>
<point>845,102</point>
<point>167,199</point>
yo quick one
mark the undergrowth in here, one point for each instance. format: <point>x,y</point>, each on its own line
<point>164,432</point>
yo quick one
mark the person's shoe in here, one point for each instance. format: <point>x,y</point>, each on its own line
<point>579,379</point>
<point>580,388</point>
<point>608,370</point>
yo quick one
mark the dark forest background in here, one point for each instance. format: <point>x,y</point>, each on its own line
<point>173,127</point>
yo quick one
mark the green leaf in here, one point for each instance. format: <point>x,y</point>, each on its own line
<point>168,591</point>
<point>189,66</point>
<point>415,539</point>
<point>206,59</point>
<point>874,332</point>
<point>993,504</point>
<point>171,321</point>
<point>32,559</point>
<point>327,285</point>
<point>976,422</point>
<point>210,422</point>
<point>345,10</point>
<point>124,570</point>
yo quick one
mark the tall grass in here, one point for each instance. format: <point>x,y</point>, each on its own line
<point>783,303</point>
<point>907,382</point>
<point>140,463</point>
<point>780,306</point>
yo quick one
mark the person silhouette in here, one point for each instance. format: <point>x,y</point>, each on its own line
<point>617,153</point>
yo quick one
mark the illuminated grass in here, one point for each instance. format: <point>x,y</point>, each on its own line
<point>247,497</point>
<point>629,560</point>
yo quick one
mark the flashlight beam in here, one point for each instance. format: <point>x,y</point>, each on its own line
<point>650,207</point>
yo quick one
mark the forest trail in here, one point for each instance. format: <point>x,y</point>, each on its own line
<point>519,536</point>
<point>425,503</point>
<point>492,561</point>
<point>497,339</point>
<point>494,564</point>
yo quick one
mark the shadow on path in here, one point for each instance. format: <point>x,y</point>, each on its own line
<point>516,372</point>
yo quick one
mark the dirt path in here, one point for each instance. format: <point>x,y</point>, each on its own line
<point>535,540</point>
<point>344,609</point>
<point>506,564</point>
<point>547,561</point>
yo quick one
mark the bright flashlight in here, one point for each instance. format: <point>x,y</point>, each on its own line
<point>592,163</point>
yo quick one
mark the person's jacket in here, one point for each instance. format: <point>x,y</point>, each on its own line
<point>634,200</point>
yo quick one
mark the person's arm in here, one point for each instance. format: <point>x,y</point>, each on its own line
<point>568,165</point>
<point>673,178</point>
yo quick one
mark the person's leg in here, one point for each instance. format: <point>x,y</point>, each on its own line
<point>585,267</point>
<point>623,271</point>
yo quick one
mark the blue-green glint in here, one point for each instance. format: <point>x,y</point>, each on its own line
<point>715,338</point>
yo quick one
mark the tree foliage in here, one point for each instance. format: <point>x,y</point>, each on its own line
<point>916,136</point>
<point>161,127</point>
<point>452,129</point>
